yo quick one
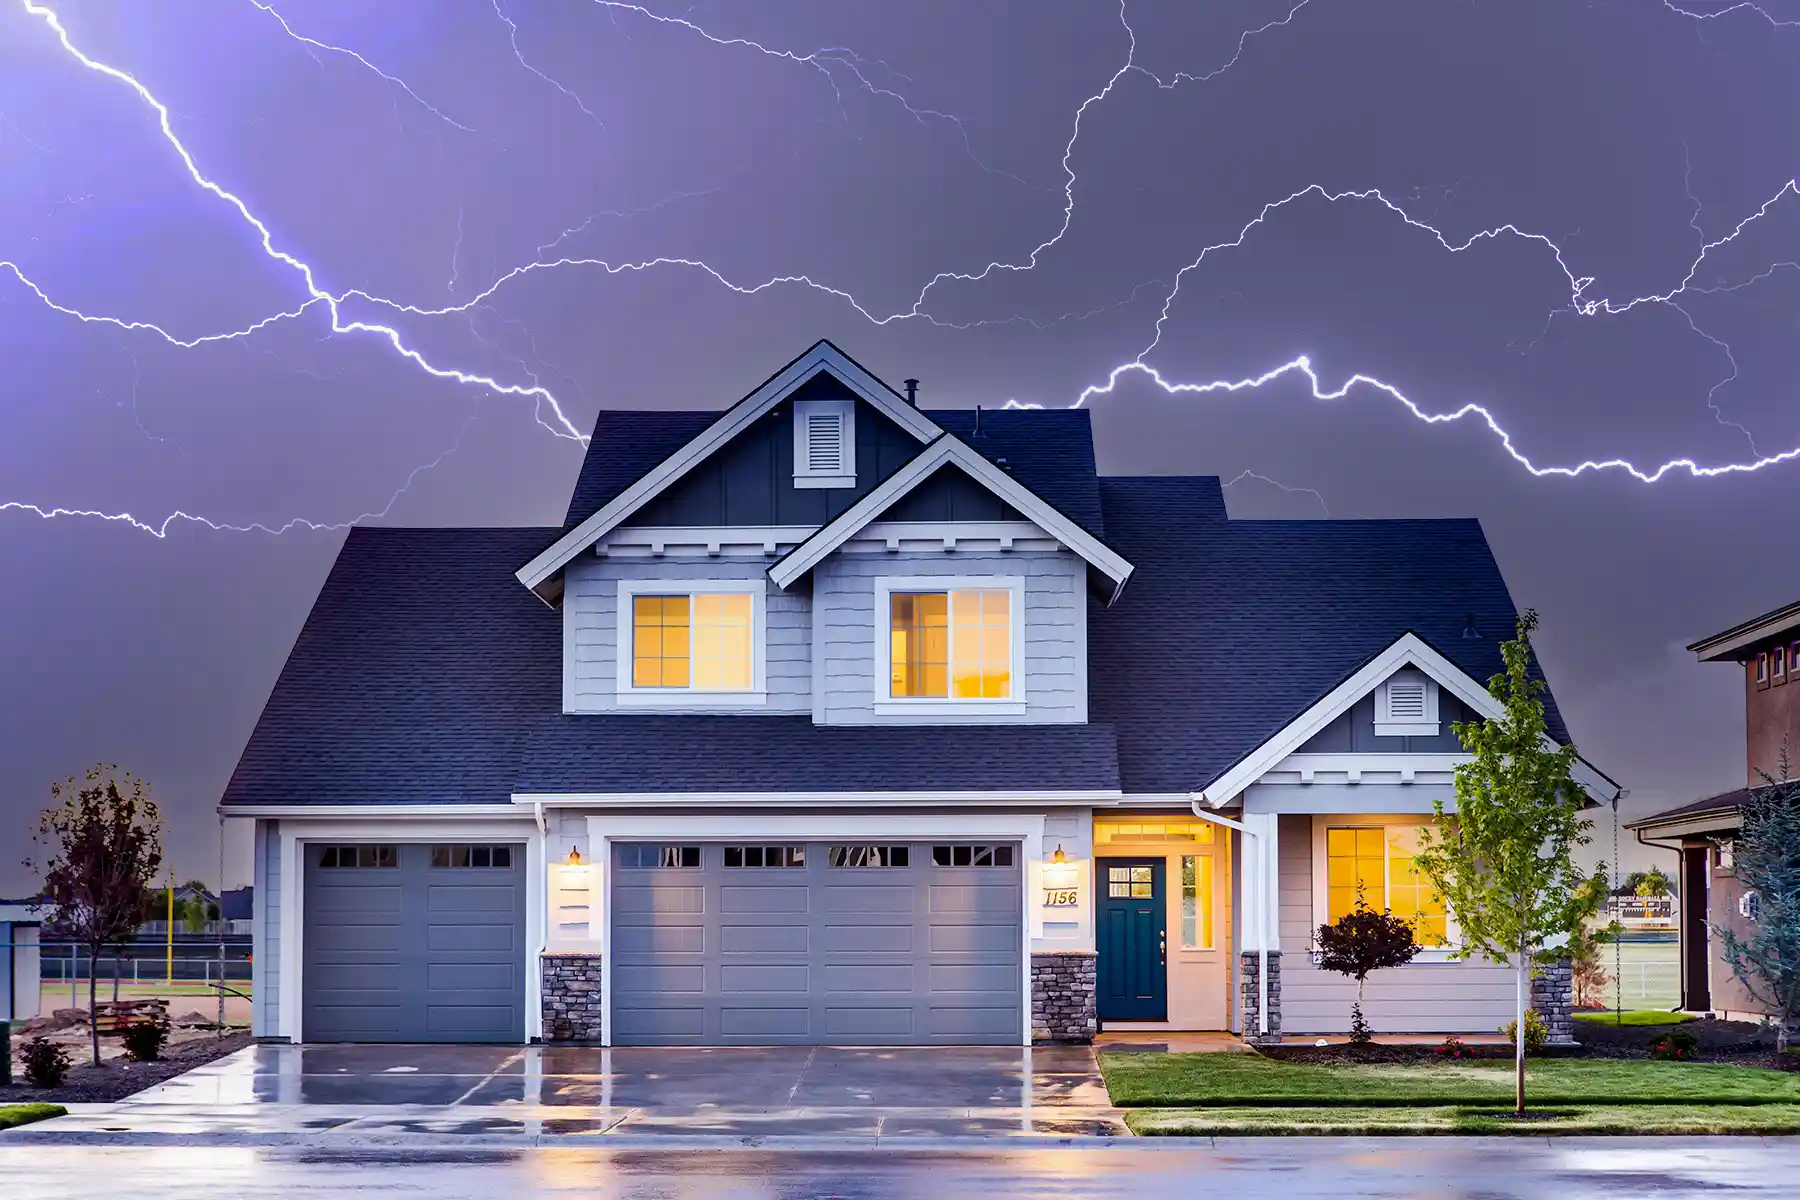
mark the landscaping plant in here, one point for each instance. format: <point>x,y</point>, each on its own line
<point>1504,860</point>
<point>46,1062</point>
<point>1766,861</point>
<point>1676,1045</point>
<point>1536,1032</point>
<point>103,848</point>
<point>1453,1048</point>
<point>1361,941</point>
<point>144,1038</point>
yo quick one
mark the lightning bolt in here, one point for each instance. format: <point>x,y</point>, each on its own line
<point>512,30</point>
<point>1298,491</point>
<point>1727,11</point>
<point>828,62</point>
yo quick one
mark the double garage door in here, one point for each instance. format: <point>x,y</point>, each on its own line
<point>817,942</point>
<point>411,942</point>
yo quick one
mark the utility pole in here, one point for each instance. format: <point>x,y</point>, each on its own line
<point>169,958</point>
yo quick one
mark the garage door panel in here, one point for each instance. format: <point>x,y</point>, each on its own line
<point>496,939</point>
<point>446,1020</point>
<point>360,1020</point>
<point>703,953</point>
<point>472,899</point>
<point>356,904</point>
<point>382,939</point>
<point>488,977</point>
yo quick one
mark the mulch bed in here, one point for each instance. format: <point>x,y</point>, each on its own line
<point>1735,1043</point>
<point>117,1079</point>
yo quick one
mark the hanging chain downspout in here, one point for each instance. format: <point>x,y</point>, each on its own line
<point>1261,904</point>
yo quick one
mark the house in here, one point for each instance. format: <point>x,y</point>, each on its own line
<point>831,718</point>
<point>20,926</point>
<point>1767,650</point>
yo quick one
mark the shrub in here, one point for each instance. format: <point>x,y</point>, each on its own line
<point>1453,1048</point>
<point>1362,941</point>
<point>46,1062</point>
<point>144,1039</point>
<point>1536,1032</point>
<point>1678,1045</point>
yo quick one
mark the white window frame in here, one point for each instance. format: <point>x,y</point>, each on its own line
<point>1321,896</point>
<point>1386,725</point>
<point>689,697</point>
<point>889,705</point>
<point>1778,665</point>
<point>1762,667</point>
<point>845,476</point>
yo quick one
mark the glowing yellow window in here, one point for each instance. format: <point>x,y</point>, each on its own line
<point>703,641</point>
<point>1410,894</point>
<point>1354,857</point>
<point>1197,902</point>
<point>950,645</point>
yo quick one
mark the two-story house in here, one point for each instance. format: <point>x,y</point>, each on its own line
<point>829,718</point>
<point>1767,650</point>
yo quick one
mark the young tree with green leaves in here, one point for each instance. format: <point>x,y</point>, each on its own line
<point>1765,858</point>
<point>1504,860</point>
<point>102,848</point>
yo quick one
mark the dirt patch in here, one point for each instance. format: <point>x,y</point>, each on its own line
<point>1343,1053</point>
<point>115,1078</point>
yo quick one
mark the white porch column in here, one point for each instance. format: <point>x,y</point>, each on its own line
<point>1259,960</point>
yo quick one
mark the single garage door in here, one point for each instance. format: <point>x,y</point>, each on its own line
<point>816,942</point>
<point>407,942</point>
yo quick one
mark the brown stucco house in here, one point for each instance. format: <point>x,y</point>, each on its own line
<point>1767,650</point>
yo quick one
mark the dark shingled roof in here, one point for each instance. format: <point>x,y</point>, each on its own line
<point>625,447</point>
<point>1229,630</point>
<point>633,752</point>
<point>1724,802</point>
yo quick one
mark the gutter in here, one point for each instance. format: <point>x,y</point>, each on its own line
<point>544,900</point>
<point>1262,940</point>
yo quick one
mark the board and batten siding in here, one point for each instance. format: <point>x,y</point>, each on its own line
<point>591,632</point>
<point>265,964</point>
<point>1055,668</point>
<point>1421,997</point>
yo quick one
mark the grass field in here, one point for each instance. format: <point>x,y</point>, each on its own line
<point>1540,1119</point>
<point>24,1114</point>
<point>1635,1017</point>
<point>1238,1080</point>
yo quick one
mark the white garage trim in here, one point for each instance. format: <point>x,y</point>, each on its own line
<point>1026,829</point>
<point>296,834</point>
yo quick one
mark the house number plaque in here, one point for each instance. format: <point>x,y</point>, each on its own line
<point>1061,897</point>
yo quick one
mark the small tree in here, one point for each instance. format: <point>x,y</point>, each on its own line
<point>1648,885</point>
<point>1504,861</point>
<point>103,847</point>
<point>1765,857</point>
<point>1362,941</point>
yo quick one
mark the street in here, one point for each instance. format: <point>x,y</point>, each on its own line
<point>1491,1169</point>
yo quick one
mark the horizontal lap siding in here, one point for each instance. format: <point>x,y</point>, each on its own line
<point>1055,629</point>
<point>591,616</point>
<point>1438,997</point>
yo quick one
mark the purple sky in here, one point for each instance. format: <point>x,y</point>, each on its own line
<point>869,149</point>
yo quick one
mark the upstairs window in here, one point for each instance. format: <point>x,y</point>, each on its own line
<point>824,443</point>
<point>951,645</point>
<point>682,644</point>
<point>1762,668</point>
<point>1777,665</point>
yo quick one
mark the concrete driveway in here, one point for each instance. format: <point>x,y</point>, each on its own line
<point>273,1095</point>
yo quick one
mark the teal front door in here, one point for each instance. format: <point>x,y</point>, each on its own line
<point>1133,973</point>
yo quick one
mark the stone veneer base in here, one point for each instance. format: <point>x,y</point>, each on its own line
<point>573,1005</point>
<point>1553,996</point>
<point>1250,997</point>
<point>1063,992</point>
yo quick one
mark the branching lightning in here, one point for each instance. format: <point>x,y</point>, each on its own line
<point>830,63</point>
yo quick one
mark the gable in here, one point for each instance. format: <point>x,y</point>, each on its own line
<point>1353,732</point>
<point>750,479</point>
<point>949,494</point>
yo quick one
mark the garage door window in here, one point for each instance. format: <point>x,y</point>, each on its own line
<point>653,855</point>
<point>971,856</point>
<point>461,856</point>
<point>765,856</point>
<point>867,856</point>
<point>359,857</point>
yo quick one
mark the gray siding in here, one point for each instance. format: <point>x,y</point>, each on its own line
<point>591,632</point>
<point>1354,732</point>
<point>1436,997</point>
<point>265,965</point>
<point>1055,632</point>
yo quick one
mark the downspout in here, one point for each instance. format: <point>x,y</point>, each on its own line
<point>537,807</point>
<point>1262,940</point>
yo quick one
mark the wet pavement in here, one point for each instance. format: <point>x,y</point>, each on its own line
<point>346,1096</point>
<point>1244,1168</point>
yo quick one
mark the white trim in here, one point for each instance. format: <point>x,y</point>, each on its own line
<point>369,811</point>
<point>296,834</point>
<point>948,449</point>
<point>822,356</point>
<point>925,537</point>
<point>1321,897</point>
<point>1027,830</point>
<point>845,475</point>
<point>886,704</point>
<point>793,800</point>
<point>1347,767</point>
<point>629,696</point>
<point>1407,650</point>
<point>695,541</point>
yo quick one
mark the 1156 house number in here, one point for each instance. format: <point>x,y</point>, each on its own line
<point>1061,897</point>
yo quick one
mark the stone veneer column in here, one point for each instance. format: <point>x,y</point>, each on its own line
<point>1249,964</point>
<point>1062,996</point>
<point>572,1004</point>
<point>1553,996</point>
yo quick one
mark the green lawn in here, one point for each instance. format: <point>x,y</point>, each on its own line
<point>1589,1119</point>
<point>1640,1016</point>
<point>25,1114</point>
<point>1228,1080</point>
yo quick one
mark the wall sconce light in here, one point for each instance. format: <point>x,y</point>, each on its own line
<point>1060,875</point>
<point>1059,858</point>
<point>574,859</point>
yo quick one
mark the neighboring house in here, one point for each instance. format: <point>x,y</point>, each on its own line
<point>830,719</point>
<point>1767,650</point>
<point>19,967</point>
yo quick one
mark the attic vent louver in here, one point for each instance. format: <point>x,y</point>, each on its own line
<point>824,444</point>
<point>1406,700</point>
<point>1406,706</point>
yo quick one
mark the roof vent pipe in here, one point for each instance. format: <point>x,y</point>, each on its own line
<point>912,391</point>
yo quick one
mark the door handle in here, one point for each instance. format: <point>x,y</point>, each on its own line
<point>1162,946</point>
